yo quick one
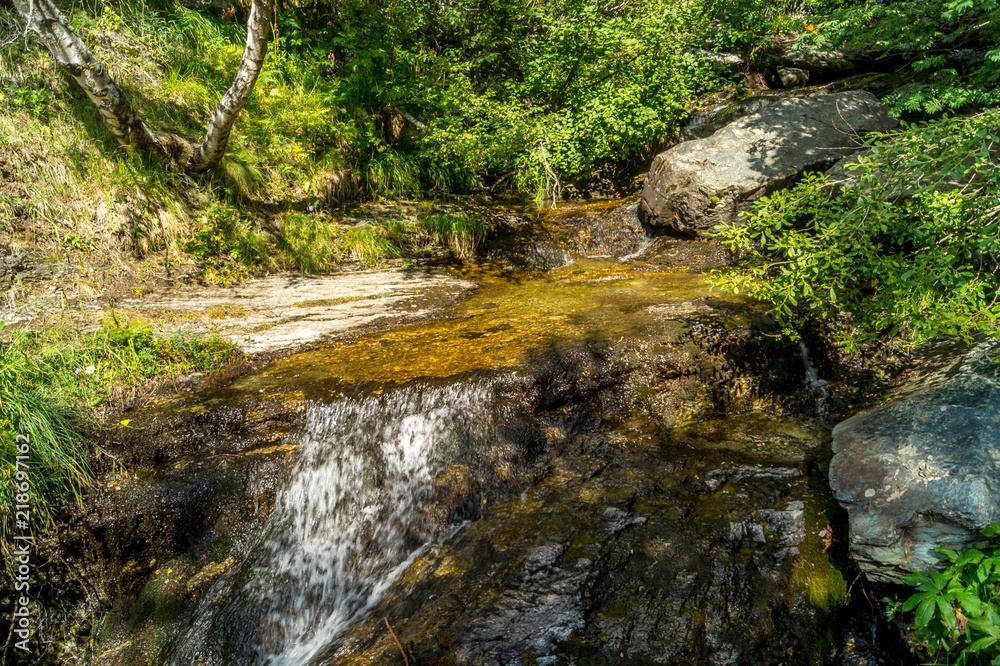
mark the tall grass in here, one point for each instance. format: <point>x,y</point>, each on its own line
<point>51,383</point>
<point>55,460</point>
<point>463,233</point>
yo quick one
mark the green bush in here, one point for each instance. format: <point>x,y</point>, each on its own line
<point>955,611</point>
<point>921,33</point>
<point>911,250</point>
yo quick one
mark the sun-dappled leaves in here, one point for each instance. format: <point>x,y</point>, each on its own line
<point>909,250</point>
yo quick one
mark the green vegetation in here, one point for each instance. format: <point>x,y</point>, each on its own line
<point>956,613</point>
<point>911,250</point>
<point>815,573</point>
<point>51,384</point>
<point>54,463</point>
<point>231,246</point>
<point>356,101</point>
<point>924,35</point>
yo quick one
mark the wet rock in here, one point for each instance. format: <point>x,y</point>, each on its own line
<point>698,185</point>
<point>539,610</point>
<point>622,554</point>
<point>923,470</point>
<point>793,77</point>
<point>556,236</point>
<point>789,525</point>
<point>691,255</point>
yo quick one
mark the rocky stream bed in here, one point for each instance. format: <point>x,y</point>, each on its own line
<point>591,460</point>
<point>568,452</point>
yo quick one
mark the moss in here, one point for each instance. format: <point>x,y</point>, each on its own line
<point>814,572</point>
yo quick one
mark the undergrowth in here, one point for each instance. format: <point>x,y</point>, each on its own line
<point>52,383</point>
<point>356,101</point>
<point>954,613</point>
<point>232,245</point>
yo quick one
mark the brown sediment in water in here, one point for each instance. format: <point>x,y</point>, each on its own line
<point>510,316</point>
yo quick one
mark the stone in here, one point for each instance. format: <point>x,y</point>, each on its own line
<point>923,470</point>
<point>721,59</point>
<point>793,77</point>
<point>13,262</point>
<point>820,63</point>
<point>293,310</point>
<point>17,264</point>
<point>699,185</point>
<point>706,122</point>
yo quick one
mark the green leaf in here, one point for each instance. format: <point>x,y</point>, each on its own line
<point>925,611</point>
<point>914,600</point>
<point>981,644</point>
<point>945,613</point>
<point>972,605</point>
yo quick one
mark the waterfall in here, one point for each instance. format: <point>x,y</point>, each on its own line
<point>350,521</point>
<point>813,382</point>
<point>812,374</point>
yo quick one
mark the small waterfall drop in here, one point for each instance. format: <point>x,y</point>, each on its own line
<point>352,518</point>
<point>813,382</point>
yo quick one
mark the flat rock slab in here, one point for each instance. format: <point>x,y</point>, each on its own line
<point>923,470</point>
<point>282,312</point>
<point>702,184</point>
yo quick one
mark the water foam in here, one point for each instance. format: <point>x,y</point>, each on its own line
<point>348,524</point>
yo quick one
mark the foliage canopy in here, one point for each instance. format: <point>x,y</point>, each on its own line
<point>938,42</point>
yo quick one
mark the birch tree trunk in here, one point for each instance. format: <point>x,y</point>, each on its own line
<point>45,20</point>
<point>213,147</point>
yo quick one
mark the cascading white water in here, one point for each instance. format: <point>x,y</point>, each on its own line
<point>812,374</point>
<point>818,386</point>
<point>348,524</point>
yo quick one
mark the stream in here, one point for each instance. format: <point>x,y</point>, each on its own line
<point>591,458</point>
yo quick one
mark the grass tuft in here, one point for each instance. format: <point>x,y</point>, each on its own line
<point>51,385</point>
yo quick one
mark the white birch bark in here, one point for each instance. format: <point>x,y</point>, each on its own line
<point>213,147</point>
<point>45,20</point>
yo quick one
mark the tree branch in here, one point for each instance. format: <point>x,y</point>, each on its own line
<point>213,147</point>
<point>44,19</point>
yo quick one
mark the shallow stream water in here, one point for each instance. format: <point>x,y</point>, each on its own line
<point>536,477</point>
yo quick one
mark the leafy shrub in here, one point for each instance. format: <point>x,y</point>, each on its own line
<point>921,33</point>
<point>956,612</point>
<point>911,250</point>
<point>228,242</point>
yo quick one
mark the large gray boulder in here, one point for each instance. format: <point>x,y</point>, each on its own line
<point>706,122</point>
<point>923,470</point>
<point>699,185</point>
